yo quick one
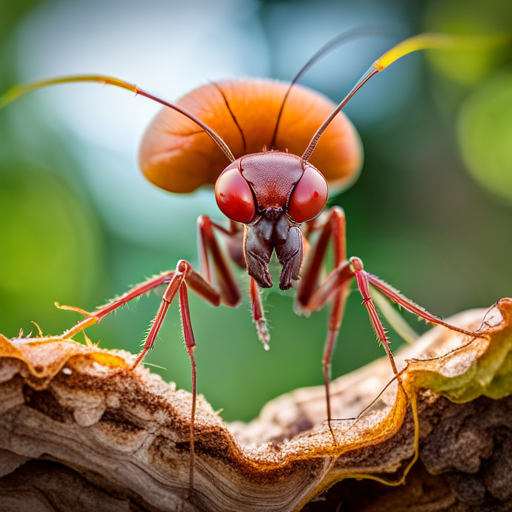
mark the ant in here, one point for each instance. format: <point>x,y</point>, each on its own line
<point>282,149</point>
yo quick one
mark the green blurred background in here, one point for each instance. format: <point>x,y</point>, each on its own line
<point>431,213</point>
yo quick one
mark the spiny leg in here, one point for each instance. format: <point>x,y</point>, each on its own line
<point>364,279</point>
<point>364,289</point>
<point>182,270</point>
<point>312,296</point>
<point>191,346</point>
<point>184,276</point>
<point>228,292</point>
<point>394,295</point>
<point>338,279</point>
<point>329,347</point>
<point>97,316</point>
<point>333,229</point>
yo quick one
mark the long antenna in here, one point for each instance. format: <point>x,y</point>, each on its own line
<point>412,44</point>
<point>231,113</point>
<point>20,90</point>
<point>330,45</point>
<point>314,141</point>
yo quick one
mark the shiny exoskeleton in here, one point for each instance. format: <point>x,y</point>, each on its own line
<point>272,193</point>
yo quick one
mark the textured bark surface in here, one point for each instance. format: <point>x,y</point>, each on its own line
<point>465,464</point>
<point>79,429</point>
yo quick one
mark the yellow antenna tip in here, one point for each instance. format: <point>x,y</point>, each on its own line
<point>432,41</point>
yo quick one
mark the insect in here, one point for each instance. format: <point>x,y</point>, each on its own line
<point>273,151</point>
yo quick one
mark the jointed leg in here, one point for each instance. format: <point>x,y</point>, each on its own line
<point>184,274</point>
<point>228,288</point>
<point>229,292</point>
<point>177,282</point>
<point>335,319</point>
<point>409,305</point>
<point>308,301</point>
<point>191,346</point>
<point>364,288</point>
<point>232,294</point>
<point>97,316</point>
<point>312,296</point>
<point>333,229</point>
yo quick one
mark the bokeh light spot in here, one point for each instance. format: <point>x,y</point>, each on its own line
<point>485,132</point>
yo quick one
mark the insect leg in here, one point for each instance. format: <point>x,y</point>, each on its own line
<point>183,276</point>
<point>177,282</point>
<point>364,288</point>
<point>228,287</point>
<point>183,269</point>
<point>409,305</point>
<point>191,345</point>
<point>200,283</point>
<point>97,316</point>
<point>311,296</point>
<point>333,228</point>
<point>258,314</point>
<point>364,279</point>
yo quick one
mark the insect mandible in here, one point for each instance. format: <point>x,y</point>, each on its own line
<point>270,155</point>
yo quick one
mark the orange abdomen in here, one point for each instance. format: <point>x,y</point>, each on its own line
<point>176,155</point>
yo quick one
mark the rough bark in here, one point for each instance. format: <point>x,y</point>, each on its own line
<point>79,429</point>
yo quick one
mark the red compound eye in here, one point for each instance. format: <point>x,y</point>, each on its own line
<point>234,196</point>
<point>309,196</point>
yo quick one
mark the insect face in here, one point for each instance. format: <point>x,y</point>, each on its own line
<point>272,193</point>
